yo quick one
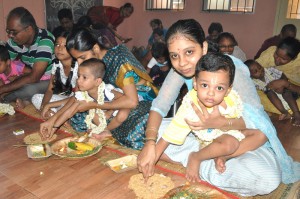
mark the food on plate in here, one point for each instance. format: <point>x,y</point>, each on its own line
<point>35,138</point>
<point>155,187</point>
<point>194,191</point>
<point>80,146</point>
<point>72,148</point>
<point>123,164</point>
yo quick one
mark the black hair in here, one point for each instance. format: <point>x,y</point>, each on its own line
<point>4,54</point>
<point>82,40</point>
<point>58,85</point>
<point>291,46</point>
<point>215,26</point>
<point>84,22</point>
<point>65,13</point>
<point>159,49</point>
<point>249,62</point>
<point>97,66</point>
<point>26,18</point>
<point>212,46</point>
<point>189,28</point>
<point>155,21</point>
<point>128,5</point>
<point>212,62</point>
<point>158,31</point>
<point>288,28</point>
<point>227,35</point>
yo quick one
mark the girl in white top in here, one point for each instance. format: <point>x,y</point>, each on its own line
<point>62,83</point>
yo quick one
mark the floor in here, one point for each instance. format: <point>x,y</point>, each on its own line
<point>21,177</point>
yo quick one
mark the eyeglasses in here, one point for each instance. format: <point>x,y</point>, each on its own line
<point>229,46</point>
<point>14,32</point>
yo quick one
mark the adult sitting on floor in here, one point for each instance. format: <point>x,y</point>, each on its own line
<point>288,30</point>
<point>34,47</point>
<point>284,57</point>
<point>66,21</point>
<point>258,166</point>
<point>122,71</point>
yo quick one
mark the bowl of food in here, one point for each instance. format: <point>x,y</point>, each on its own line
<point>38,151</point>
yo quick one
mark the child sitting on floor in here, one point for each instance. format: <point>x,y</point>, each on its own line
<point>92,88</point>
<point>212,90</point>
<point>158,67</point>
<point>283,100</point>
<point>63,78</point>
<point>10,70</point>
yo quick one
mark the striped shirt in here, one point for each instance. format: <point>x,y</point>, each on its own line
<point>42,50</point>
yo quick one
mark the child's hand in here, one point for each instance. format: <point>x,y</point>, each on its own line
<point>47,130</point>
<point>193,167</point>
<point>46,112</point>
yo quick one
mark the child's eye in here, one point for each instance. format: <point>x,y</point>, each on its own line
<point>204,85</point>
<point>220,88</point>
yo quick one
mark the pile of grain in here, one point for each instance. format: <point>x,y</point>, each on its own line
<point>156,186</point>
<point>35,138</point>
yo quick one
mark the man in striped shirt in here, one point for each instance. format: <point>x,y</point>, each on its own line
<point>34,47</point>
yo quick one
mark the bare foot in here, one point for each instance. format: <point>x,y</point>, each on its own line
<point>102,136</point>
<point>220,164</point>
<point>20,104</point>
<point>192,169</point>
<point>284,116</point>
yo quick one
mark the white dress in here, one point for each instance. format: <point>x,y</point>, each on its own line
<point>38,98</point>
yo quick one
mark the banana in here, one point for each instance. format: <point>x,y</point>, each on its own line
<point>79,146</point>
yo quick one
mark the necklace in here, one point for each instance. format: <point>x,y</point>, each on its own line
<point>89,118</point>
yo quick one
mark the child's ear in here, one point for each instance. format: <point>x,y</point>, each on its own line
<point>228,91</point>
<point>99,81</point>
<point>8,62</point>
<point>194,83</point>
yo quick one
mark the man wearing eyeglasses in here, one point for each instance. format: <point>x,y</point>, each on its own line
<point>34,47</point>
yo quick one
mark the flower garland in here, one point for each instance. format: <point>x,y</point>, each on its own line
<point>6,108</point>
<point>89,118</point>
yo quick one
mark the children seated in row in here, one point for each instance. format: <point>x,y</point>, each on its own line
<point>158,67</point>
<point>283,100</point>
<point>91,88</point>
<point>212,92</point>
<point>10,69</point>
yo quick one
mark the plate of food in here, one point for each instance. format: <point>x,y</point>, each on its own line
<point>35,138</point>
<point>76,147</point>
<point>38,151</point>
<point>194,191</point>
<point>122,164</point>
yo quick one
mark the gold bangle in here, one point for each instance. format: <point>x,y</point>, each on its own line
<point>150,139</point>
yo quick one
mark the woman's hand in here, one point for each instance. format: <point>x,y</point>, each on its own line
<point>146,160</point>
<point>207,120</point>
<point>278,85</point>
